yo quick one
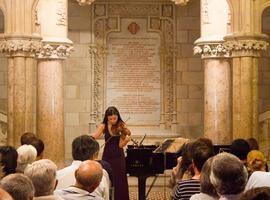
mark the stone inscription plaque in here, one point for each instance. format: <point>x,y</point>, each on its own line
<point>133,76</point>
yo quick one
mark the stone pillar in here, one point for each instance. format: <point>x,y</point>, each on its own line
<point>21,51</point>
<point>217,91</point>
<point>50,103</point>
<point>245,51</point>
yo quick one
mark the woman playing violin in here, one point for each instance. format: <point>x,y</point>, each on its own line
<point>116,137</point>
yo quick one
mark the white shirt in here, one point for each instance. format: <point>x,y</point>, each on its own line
<point>66,178</point>
<point>258,179</point>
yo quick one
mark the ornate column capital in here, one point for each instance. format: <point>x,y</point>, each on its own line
<point>55,50</point>
<point>211,49</point>
<point>85,2</point>
<point>246,45</point>
<point>23,46</point>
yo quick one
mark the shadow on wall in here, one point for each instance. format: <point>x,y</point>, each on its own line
<point>2,22</point>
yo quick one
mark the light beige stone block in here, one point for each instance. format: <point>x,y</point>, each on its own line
<point>192,105</point>
<point>195,91</point>
<point>71,91</point>
<point>194,64</point>
<point>195,119</point>
<point>85,37</point>
<point>182,92</point>
<point>193,78</point>
<point>182,36</point>
<point>75,105</point>
<point>72,119</point>
<point>188,23</point>
<point>85,92</point>
<point>182,64</point>
<point>74,36</point>
<point>84,119</point>
<point>187,50</point>
<point>75,78</point>
<point>3,92</point>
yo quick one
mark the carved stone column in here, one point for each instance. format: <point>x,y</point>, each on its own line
<point>217,91</point>
<point>245,51</point>
<point>50,88</point>
<point>21,51</point>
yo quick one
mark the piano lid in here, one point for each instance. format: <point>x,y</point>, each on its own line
<point>171,145</point>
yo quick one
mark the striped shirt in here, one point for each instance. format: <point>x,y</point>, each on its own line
<point>185,189</point>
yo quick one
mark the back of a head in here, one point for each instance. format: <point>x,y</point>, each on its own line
<point>206,185</point>
<point>8,159</point>
<point>256,161</point>
<point>43,175</point>
<point>240,148</point>
<point>228,174</point>
<point>253,144</point>
<point>27,138</point>
<point>39,145</point>
<point>84,147</point>
<point>18,186</point>
<point>26,155</point>
<point>4,195</point>
<point>261,193</point>
<point>89,175</point>
<point>201,152</point>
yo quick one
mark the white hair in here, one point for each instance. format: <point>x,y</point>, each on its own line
<point>43,175</point>
<point>18,186</point>
<point>27,154</point>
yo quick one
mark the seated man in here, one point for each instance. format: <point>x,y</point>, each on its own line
<point>8,159</point>
<point>88,177</point>
<point>228,176</point>
<point>18,186</point>
<point>201,150</point>
<point>84,148</point>
<point>43,175</point>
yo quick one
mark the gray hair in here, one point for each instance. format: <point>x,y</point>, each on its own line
<point>43,175</point>
<point>18,186</point>
<point>228,174</point>
<point>27,154</point>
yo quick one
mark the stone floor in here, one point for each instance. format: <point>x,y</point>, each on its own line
<point>155,194</point>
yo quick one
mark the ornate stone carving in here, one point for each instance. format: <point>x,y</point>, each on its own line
<point>205,15</point>
<point>85,2</point>
<point>61,14</point>
<point>3,133</point>
<point>20,46</point>
<point>211,49</point>
<point>246,46</point>
<point>55,51</point>
<point>160,19</point>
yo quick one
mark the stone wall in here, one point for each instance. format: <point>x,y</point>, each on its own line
<point>3,84</point>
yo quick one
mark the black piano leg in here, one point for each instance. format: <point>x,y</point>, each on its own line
<point>142,186</point>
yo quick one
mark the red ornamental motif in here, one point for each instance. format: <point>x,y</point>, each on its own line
<point>133,28</point>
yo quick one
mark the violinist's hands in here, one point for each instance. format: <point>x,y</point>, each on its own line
<point>127,138</point>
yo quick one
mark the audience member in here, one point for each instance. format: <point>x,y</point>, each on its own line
<point>201,151</point>
<point>88,177</point>
<point>228,176</point>
<point>39,145</point>
<point>208,191</point>
<point>42,173</point>
<point>253,144</point>
<point>4,195</point>
<point>18,186</point>
<point>261,193</point>
<point>27,138</point>
<point>84,148</point>
<point>27,154</point>
<point>240,148</point>
<point>256,161</point>
<point>8,159</point>
<point>258,179</point>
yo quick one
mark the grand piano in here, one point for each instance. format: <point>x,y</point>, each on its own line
<point>143,161</point>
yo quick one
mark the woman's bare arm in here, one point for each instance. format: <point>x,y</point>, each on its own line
<point>98,131</point>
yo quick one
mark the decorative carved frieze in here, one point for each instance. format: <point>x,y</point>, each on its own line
<point>211,49</point>
<point>246,45</point>
<point>20,46</point>
<point>61,14</point>
<point>55,51</point>
<point>85,2</point>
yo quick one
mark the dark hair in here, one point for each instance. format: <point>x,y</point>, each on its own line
<point>260,193</point>
<point>84,148</point>
<point>38,144</point>
<point>240,148</point>
<point>27,138</point>
<point>8,159</point>
<point>186,159</point>
<point>201,151</point>
<point>253,144</point>
<point>111,111</point>
<point>206,185</point>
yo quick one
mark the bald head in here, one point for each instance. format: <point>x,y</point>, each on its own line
<point>88,175</point>
<point>4,195</point>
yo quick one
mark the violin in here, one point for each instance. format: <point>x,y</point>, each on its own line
<point>120,129</point>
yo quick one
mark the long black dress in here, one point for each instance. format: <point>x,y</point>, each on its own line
<point>114,155</point>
